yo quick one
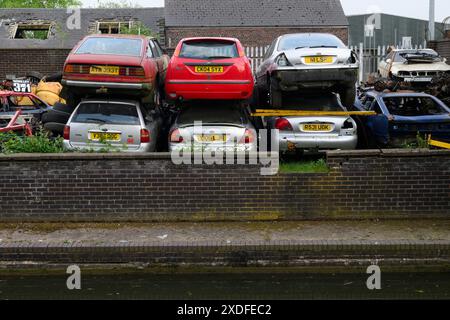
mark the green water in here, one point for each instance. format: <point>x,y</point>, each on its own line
<point>228,286</point>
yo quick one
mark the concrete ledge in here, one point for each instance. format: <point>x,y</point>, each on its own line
<point>387,153</point>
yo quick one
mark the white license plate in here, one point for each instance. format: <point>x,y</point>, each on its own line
<point>418,79</point>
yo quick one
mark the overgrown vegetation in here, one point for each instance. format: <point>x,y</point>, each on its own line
<point>137,28</point>
<point>38,143</point>
<point>115,4</point>
<point>305,166</point>
<point>39,3</point>
<point>421,142</point>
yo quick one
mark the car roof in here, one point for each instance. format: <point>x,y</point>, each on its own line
<point>210,38</point>
<point>398,94</point>
<point>122,36</point>
<point>111,101</point>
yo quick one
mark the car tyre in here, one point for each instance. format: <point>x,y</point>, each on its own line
<point>57,129</point>
<point>348,96</point>
<point>275,95</point>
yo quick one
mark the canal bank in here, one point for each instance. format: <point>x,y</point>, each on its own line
<point>256,247</point>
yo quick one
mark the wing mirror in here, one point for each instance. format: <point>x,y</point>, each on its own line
<point>388,61</point>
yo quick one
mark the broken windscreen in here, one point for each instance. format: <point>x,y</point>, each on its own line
<point>413,106</point>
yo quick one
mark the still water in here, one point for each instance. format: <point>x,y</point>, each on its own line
<point>228,286</point>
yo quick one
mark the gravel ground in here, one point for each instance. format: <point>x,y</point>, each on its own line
<point>226,232</point>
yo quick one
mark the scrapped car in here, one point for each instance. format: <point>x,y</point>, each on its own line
<point>115,125</point>
<point>131,64</point>
<point>401,116</point>
<point>214,126</point>
<point>298,133</point>
<point>307,61</point>
<point>209,68</point>
<point>31,106</point>
<point>417,66</point>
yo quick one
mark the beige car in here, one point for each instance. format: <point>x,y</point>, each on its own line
<point>410,65</point>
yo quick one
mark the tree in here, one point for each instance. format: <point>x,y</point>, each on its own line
<point>137,28</point>
<point>39,3</point>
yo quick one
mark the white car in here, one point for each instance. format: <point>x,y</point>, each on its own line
<point>418,66</point>
<point>307,61</point>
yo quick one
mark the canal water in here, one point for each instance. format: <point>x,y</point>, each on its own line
<point>228,286</point>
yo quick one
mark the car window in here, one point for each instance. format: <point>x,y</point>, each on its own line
<point>154,50</point>
<point>376,107</point>
<point>150,53</point>
<point>202,49</point>
<point>270,50</point>
<point>309,40</point>
<point>158,47</point>
<point>223,113</point>
<point>413,106</point>
<point>366,102</point>
<point>108,113</point>
<point>111,46</point>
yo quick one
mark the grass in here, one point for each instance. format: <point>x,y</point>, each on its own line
<point>314,166</point>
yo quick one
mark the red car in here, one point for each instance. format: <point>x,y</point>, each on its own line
<point>122,64</point>
<point>209,68</point>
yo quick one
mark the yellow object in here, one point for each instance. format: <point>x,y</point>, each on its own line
<point>49,92</point>
<point>439,144</point>
<point>300,113</point>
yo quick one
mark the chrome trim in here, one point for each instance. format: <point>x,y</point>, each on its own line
<point>113,85</point>
<point>209,82</point>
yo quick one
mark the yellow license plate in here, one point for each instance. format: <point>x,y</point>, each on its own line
<point>208,69</point>
<point>316,127</point>
<point>319,59</point>
<point>108,70</point>
<point>104,136</point>
<point>212,138</point>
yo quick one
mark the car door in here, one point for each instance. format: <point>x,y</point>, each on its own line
<point>160,59</point>
<point>378,125</point>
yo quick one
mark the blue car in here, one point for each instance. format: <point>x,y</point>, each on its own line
<point>401,116</point>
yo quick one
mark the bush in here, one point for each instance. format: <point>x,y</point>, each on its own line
<point>38,143</point>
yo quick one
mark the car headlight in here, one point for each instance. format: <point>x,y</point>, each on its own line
<point>353,58</point>
<point>282,61</point>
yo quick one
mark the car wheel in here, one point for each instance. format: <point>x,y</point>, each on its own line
<point>63,108</point>
<point>57,129</point>
<point>275,95</point>
<point>55,116</point>
<point>348,96</point>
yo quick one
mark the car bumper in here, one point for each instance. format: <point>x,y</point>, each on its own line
<point>193,90</point>
<point>290,142</point>
<point>143,147</point>
<point>109,85</point>
<point>294,78</point>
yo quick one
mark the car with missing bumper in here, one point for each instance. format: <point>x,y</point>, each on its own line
<point>415,66</point>
<point>400,116</point>
<point>119,64</point>
<point>316,132</point>
<point>307,61</point>
<point>115,125</point>
<point>209,68</point>
<point>213,127</point>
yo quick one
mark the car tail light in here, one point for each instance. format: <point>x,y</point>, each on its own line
<point>66,134</point>
<point>77,68</point>
<point>348,124</point>
<point>132,71</point>
<point>145,136</point>
<point>249,137</point>
<point>283,124</point>
<point>175,136</point>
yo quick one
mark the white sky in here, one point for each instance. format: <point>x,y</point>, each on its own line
<point>408,8</point>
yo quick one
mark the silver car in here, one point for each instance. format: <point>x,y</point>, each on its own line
<point>307,61</point>
<point>315,132</point>
<point>112,125</point>
<point>213,127</point>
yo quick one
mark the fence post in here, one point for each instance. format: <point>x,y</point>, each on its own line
<point>361,65</point>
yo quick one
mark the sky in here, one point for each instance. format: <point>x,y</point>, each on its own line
<point>408,8</point>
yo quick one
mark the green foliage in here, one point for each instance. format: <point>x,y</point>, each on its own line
<point>111,4</point>
<point>39,143</point>
<point>421,142</point>
<point>39,3</point>
<point>318,166</point>
<point>137,28</point>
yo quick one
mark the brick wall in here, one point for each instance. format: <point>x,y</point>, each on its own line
<point>249,36</point>
<point>90,187</point>
<point>21,61</point>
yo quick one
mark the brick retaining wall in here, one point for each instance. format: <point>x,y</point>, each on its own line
<point>122,187</point>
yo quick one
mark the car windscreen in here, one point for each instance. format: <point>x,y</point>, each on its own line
<point>419,55</point>
<point>207,113</point>
<point>111,46</point>
<point>211,49</point>
<point>299,41</point>
<point>413,106</point>
<point>107,113</point>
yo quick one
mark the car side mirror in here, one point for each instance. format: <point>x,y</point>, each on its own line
<point>388,61</point>
<point>445,60</point>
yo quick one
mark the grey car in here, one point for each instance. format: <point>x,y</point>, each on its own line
<point>213,126</point>
<point>307,61</point>
<point>315,132</point>
<point>114,125</point>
